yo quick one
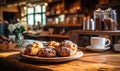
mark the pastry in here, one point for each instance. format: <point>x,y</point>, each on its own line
<point>48,51</point>
<point>32,49</point>
<point>63,51</point>
<point>51,49</point>
<point>41,52</point>
<point>53,43</point>
<point>7,44</point>
<point>68,46</point>
<point>38,44</point>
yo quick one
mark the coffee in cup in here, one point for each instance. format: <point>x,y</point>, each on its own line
<point>99,42</point>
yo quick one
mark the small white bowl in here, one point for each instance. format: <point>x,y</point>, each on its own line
<point>117,47</point>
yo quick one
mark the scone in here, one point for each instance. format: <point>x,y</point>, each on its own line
<point>63,51</point>
<point>32,49</point>
<point>39,44</point>
<point>41,53</point>
<point>48,51</point>
<point>54,44</point>
<point>6,43</point>
<point>68,45</point>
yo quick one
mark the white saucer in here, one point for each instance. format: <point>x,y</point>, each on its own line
<point>96,49</point>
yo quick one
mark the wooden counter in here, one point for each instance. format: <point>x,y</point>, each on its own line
<point>81,37</point>
<point>91,61</point>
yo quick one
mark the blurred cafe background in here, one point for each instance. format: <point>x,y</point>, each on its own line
<point>57,19</point>
<point>59,35</point>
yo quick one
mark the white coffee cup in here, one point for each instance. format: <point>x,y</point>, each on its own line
<point>99,42</point>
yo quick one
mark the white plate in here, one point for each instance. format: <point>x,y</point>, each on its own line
<point>52,59</point>
<point>96,49</point>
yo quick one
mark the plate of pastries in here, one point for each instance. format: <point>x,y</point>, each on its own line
<point>6,43</point>
<point>52,51</point>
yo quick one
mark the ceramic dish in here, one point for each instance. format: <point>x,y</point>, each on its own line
<point>117,47</point>
<point>52,59</point>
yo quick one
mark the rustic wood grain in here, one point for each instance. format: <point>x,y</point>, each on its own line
<point>91,61</point>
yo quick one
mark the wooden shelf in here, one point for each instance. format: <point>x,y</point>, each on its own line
<point>54,1</point>
<point>55,15</point>
<point>63,13</point>
<point>108,5</point>
<point>64,25</point>
<point>109,33</point>
<point>65,8</point>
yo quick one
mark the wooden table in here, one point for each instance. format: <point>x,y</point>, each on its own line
<point>91,61</point>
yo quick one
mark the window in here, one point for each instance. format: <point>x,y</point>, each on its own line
<point>38,9</point>
<point>30,10</point>
<point>35,14</point>
<point>30,19</point>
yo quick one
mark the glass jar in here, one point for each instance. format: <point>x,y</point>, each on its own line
<point>19,39</point>
<point>98,16</point>
<point>110,19</point>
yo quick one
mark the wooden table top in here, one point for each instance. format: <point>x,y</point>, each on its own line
<point>91,61</point>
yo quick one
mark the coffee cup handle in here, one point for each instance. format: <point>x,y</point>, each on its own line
<point>108,42</point>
